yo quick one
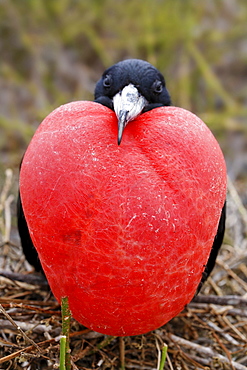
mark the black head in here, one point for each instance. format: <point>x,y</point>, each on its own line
<point>130,88</point>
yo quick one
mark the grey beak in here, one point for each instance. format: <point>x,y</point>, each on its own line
<point>122,121</point>
<point>128,104</point>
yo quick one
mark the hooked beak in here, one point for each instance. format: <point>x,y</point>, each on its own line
<point>128,104</point>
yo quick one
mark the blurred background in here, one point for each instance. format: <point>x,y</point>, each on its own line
<point>53,52</point>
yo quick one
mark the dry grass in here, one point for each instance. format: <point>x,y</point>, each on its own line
<point>211,333</point>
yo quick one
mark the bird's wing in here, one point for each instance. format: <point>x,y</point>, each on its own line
<point>215,248</point>
<point>26,241</point>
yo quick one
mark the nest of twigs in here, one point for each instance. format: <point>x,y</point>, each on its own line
<point>211,333</point>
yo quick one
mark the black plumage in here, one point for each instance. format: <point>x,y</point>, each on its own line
<point>145,89</point>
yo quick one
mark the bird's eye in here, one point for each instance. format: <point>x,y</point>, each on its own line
<point>107,81</point>
<point>157,87</point>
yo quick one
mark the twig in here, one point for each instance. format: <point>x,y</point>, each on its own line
<point>46,311</point>
<point>234,194</point>
<point>159,354</point>
<point>6,186</point>
<point>19,325</point>
<point>223,347</point>
<point>227,336</point>
<point>205,351</point>
<point>28,278</point>
<point>40,344</point>
<point>5,202</point>
<point>19,329</point>
<point>232,274</point>
<point>228,300</point>
<point>215,287</point>
<point>7,216</point>
<point>169,362</point>
<point>122,353</point>
<point>237,312</point>
<point>233,327</point>
<point>226,310</point>
<point>104,342</point>
<point>162,353</point>
<point>26,350</point>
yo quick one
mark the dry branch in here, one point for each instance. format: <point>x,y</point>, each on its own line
<point>205,351</point>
